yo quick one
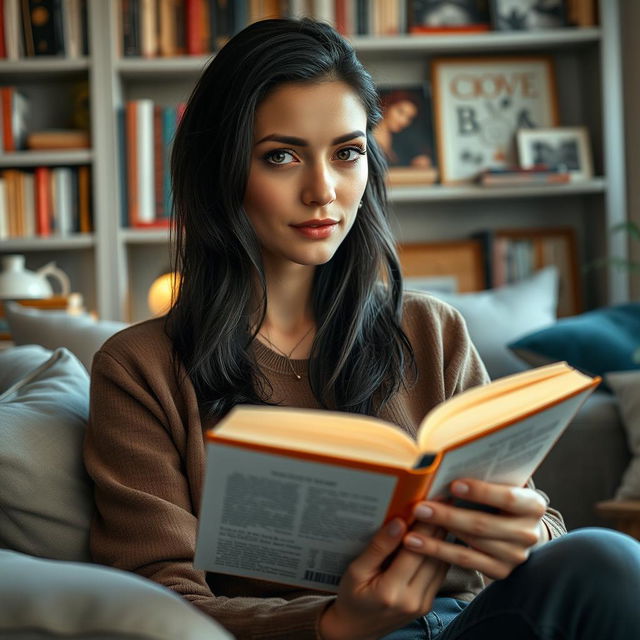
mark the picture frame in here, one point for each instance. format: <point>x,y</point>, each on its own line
<point>567,148</point>
<point>455,266</point>
<point>480,103</point>
<point>448,16</point>
<point>405,135</point>
<point>528,15</point>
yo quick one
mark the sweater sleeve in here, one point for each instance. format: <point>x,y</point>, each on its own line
<point>141,458</point>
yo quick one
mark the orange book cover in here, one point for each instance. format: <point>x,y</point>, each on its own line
<point>131,126</point>
<point>306,483</point>
<point>43,201</point>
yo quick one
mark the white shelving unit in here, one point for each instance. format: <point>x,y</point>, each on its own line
<point>116,266</point>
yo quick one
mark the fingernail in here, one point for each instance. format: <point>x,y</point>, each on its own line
<point>413,541</point>
<point>460,488</point>
<point>394,528</point>
<point>423,512</point>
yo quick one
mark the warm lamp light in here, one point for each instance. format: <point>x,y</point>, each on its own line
<point>162,293</point>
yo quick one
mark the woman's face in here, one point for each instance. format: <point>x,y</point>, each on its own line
<point>308,171</point>
<point>400,115</point>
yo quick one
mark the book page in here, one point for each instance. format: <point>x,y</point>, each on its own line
<point>509,455</point>
<point>284,519</point>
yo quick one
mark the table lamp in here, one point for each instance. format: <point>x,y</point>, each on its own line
<point>162,293</point>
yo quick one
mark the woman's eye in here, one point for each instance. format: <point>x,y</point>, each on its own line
<point>350,154</point>
<point>279,156</point>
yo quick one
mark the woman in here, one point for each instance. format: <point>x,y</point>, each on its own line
<point>291,294</point>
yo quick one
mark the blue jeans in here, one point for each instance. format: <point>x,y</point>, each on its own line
<point>582,586</point>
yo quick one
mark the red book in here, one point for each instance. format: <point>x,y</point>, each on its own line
<point>7,118</point>
<point>193,17</point>
<point>43,201</point>
<point>131,127</point>
<point>3,46</point>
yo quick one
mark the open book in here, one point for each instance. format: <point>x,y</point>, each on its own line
<point>293,495</point>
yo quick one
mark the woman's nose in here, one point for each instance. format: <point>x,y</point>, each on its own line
<point>319,189</point>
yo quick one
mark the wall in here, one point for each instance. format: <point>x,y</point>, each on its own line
<point>630,19</point>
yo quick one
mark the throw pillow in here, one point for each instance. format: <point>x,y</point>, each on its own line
<point>597,341</point>
<point>81,334</point>
<point>497,316</point>
<point>45,493</point>
<point>626,386</point>
<point>78,601</point>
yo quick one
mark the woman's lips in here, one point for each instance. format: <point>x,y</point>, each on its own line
<point>316,229</point>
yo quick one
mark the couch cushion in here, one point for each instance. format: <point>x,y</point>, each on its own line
<point>626,386</point>
<point>45,494</point>
<point>51,599</point>
<point>81,334</point>
<point>497,316</point>
<point>597,341</point>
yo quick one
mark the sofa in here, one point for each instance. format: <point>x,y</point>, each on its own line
<point>48,586</point>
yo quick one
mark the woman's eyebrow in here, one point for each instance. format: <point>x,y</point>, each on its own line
<point>301,142</point>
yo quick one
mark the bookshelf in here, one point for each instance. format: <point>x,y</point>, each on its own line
<point>114,267</point>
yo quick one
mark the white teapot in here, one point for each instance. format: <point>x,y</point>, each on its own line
<point>17,282</point>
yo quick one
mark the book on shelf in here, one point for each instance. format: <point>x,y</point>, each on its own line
<point>428,17</point>
<point>503,177</point>
<point>146,134</point>
<point>293,495</point>
<point>52,139</point>
<point>45,201</point>
<point>46,27</point>
<point>15,112</point>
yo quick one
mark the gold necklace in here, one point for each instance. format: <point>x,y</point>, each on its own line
<point>288,355</point>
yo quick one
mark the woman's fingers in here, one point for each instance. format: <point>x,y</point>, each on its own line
<point>513,500</point>
<point>385,542</point>
<point>459,555</point>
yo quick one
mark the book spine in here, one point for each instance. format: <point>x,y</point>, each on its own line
<point>6,94</point>
<point>130,27</point>
<point>47,28</point>
<point>123,167</point>
<point>169,115</point>
<point>158,162</point>
<point>21,227</point>
<point>131,124</point>
<point>148,35</point>
<point>193,19</point>
<point>4,220</point>
<point>43,201</point>
<point>84,199</point>
<point>13,29</point>
<point>63,206</point>
<point>29,198</point>
<point>3,46</point>
<point>145,162</point>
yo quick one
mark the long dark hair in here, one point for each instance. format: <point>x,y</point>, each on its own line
<point>360,353</point>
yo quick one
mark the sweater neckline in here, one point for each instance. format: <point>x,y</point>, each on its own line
<point>269,359</point>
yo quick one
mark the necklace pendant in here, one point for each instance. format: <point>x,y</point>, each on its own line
<point>298,376</point>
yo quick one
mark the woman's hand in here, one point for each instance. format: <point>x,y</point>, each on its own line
<point>497,543</point>
<point>384,588</point>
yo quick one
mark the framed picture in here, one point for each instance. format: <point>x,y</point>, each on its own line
<point>480,103</point>
<point>433,16</point>
<point>566,148</point>
<point>405,135</point>
<point>451,267</point>
<point>525,15</point>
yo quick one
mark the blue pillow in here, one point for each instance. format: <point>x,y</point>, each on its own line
<point>597,341</point>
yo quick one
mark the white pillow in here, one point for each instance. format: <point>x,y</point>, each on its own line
<point>81,334</point>
<point>626,386</point>
<point>46,498</point>
<point>496,317</point>
<point>50,599</point>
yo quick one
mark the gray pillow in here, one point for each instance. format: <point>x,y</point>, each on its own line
<point>45,493</point>
<point>81,334</point>
<point>496,317</point>
<point>54,600</point>
<point>626,386</point>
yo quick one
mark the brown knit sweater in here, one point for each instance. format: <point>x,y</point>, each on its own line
<point>145,452</point>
